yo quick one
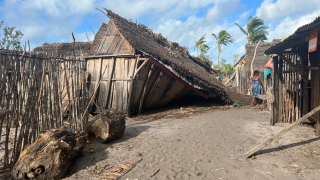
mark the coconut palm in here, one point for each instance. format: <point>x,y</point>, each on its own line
<point>255,30</point>
<point>224,38</point>
<point>199,42</point>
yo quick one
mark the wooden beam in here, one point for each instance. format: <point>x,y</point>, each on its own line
<point>288,61</point>
<point>131,86</point>
<point>110,56</point>
<point>178,78</point>
<point>98,78</point>
<point>267,142</point>
<point>145,89</point>
<point>275,105</point>
<point>109,82</point>
<point>153,89</point>
<point>230,78</point>
<point>145,62</point>
<point>280,101</point>
<point>305,91</point>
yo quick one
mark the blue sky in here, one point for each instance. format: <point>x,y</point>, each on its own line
<point>182,21</point>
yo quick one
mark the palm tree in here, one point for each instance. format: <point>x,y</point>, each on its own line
<point>255,30</point>
<point>199,42</point>
<point>224,38</point>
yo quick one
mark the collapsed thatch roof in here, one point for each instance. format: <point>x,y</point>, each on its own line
<point>65,49</point>
<point>178,58</point>
<point>260,59</point>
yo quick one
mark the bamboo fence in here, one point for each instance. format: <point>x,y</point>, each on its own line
<point>38,92</point>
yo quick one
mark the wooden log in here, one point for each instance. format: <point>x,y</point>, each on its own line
<point>267,142</point>
<point>231,78</point>
<point>50,156</point>
<point>131,86</point>
<point>275,91</point>
<point>108,126</point>
<point>145,89</point>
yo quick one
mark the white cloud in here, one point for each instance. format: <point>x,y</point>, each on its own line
<point>284,17</point>
<point>271,10</point>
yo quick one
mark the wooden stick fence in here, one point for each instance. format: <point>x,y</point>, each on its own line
<point>37,91</point>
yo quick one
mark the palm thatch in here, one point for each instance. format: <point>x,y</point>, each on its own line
<point>194,70</point>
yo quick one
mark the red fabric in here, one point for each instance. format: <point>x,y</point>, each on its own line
<point>269,64</point>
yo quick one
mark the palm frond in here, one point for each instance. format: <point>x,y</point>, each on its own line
<point>244,31</point>
<point>215,36</point>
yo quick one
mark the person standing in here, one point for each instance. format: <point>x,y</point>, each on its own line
<point>255,86</point>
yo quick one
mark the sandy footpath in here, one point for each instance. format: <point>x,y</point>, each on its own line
<point>205,146</point>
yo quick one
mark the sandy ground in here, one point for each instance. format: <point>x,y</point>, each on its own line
<point>209,146</point>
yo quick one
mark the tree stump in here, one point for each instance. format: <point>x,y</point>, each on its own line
<point>50,155</point>
<point>108,126</point>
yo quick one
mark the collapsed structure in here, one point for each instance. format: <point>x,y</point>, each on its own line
<point>131,68</point>
<point>296,75</point>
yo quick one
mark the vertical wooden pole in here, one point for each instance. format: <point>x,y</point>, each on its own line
<point>109,82</point>
<point>317,101</point>
<point>275,91</point>
<point>145,89</point>
<point>305,93</point>
<point>131,86</point>
<point>280,90</point>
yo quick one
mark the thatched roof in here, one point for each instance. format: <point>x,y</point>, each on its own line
<point>260,59</point>
<point>174,56</point>
<point>65,49</point>
<point>98,37</point>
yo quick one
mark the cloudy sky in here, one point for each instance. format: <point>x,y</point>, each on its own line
<point>182,21</point>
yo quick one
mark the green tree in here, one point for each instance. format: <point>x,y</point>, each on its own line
<point>255,30</point>
<point>203,52</point>
<point>224,38</point>
<point>11,38</point>
<point>199,42</point>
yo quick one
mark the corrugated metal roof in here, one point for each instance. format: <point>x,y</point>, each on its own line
<point>300,32</point>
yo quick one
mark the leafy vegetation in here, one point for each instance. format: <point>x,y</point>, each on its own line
<point>11,38</point>
<point>226,69</point>
<point>255,30</point>
<point>224,38</point>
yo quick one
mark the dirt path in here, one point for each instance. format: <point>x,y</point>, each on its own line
<point>206,146</point>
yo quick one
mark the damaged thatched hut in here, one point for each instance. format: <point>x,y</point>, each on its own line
<point>254,56</point>
<point>135,69</point>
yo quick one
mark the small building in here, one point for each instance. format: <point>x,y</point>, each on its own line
<point>139,70</point>
<point>296,75</point>
<point>254,56</point>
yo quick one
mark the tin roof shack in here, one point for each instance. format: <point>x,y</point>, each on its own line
<point>255,53</point>
<point>297,76</point>
<point>141,70</point>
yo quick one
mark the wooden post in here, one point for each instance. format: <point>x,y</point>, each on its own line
<point>109,82</point>
<point>260,146</point>
<point>145,89</point>
<point>131,86</point>
<point>275,104</point>
<point>280,90</point>
<point>305,90</point>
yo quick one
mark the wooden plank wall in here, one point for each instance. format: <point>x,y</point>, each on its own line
<point>160,88</point>
<point>115,71</point>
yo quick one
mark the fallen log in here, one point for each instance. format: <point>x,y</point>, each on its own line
<point>108,126</point>
<point>267,142</point>
<point>50,155</point>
